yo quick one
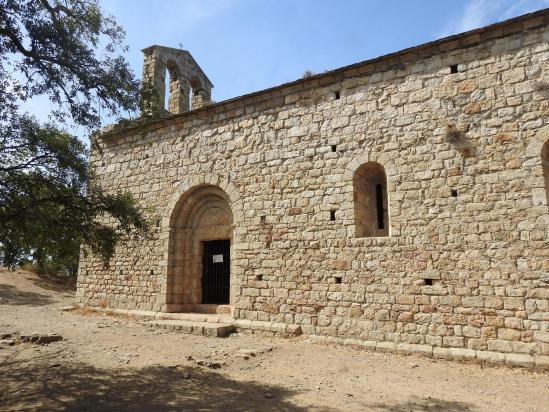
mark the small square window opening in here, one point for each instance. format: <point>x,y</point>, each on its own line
<point>453,68</point>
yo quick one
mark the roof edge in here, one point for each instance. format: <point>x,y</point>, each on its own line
<point>458,41</point>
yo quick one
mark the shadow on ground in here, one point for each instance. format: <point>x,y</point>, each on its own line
<point>42,384</point>
<point>56,283</point>
<point>11,295</point>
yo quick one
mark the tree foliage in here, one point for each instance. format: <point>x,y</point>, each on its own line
<point>69,51</point>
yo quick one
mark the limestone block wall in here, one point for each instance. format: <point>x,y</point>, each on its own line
<point>466,262</point>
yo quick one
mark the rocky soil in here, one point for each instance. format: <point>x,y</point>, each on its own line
<point>114,363</point>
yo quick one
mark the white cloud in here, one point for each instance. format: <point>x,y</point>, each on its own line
<point>479,13</point>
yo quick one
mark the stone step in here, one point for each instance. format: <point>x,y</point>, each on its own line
<point>216,329</point>
<point>195,317</point>
<point>198,308</point>
<point>207,308</point>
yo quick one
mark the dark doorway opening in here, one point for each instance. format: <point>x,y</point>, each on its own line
<point>216,271</point>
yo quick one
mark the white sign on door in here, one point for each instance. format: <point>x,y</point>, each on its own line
<point>217,258</point>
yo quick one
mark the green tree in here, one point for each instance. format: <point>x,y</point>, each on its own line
<point>71,52</point>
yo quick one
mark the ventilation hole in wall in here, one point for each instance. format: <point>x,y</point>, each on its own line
<point>337,95</point>
<point>428,282</point>
<point>332,215</point>
<point>453,68</point>
<point>259,277</point>
<point>454,193</point>
<point>152,272</point>
<point>337,280</point>
<point>263,218</point>
<point>120,272</point>
<point>334,148</point>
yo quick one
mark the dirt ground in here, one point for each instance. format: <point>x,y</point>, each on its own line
<point>118,364</point>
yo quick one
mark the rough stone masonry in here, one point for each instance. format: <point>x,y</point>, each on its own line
<point>400,203</point>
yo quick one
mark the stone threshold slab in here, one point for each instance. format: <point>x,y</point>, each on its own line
<point>218,330</point>
<point>152,315</point>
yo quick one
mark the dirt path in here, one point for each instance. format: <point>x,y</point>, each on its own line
<point>107,363</point>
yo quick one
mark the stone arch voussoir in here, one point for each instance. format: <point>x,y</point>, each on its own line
<point>199,180</point>
<point>383,159</point>
<point>533,150</point>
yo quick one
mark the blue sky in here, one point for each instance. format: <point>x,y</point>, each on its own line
<point>249,45</point>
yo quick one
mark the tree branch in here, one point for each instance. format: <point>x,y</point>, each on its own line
<point>25,165</point>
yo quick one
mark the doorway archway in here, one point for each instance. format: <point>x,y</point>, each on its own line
<point>202,214</point>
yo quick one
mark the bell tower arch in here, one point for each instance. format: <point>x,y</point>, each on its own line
<point>183,75</point>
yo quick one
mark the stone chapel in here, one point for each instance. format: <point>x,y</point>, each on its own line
<point>399,203</point>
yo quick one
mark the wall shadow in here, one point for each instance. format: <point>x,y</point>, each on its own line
<point>12,296</point>
<point>42,384</point>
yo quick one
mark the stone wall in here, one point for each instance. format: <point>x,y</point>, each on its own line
<point>465,265</point>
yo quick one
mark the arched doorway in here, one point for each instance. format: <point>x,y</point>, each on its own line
<point>201,230</point>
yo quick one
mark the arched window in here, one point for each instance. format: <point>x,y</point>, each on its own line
<point>170,81</point>
<point>176,99</point>
<point>197,97</point>
<point>545,164</point>
<point>371,202</point>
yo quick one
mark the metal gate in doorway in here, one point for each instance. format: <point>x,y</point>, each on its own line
<point>216,271</point>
